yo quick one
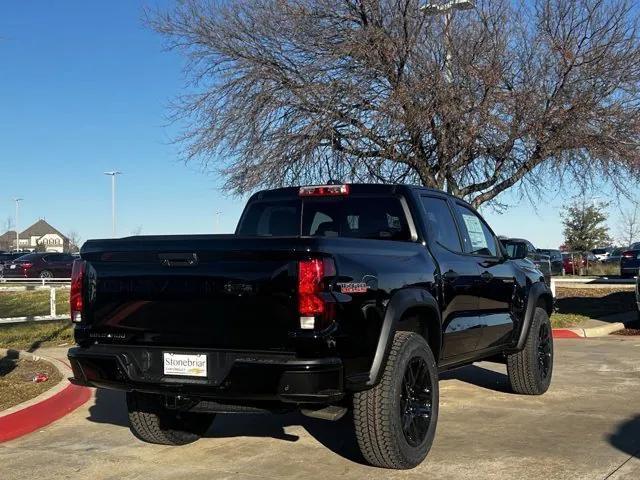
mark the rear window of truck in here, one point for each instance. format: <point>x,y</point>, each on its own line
<point>354,217</point>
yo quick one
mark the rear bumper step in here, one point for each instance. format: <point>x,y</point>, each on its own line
<point>231,375</point>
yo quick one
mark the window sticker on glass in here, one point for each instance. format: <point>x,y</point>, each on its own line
<point>476,235</point>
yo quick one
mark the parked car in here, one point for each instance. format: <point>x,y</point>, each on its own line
<point>42,265</point>
<point>638,295</point>
<point>573,262</point>
<point>630,262</point>
<point>590,258</point>
<point>614,256</point>
<point>327,299</point>
<point>8,257</point>
<point>521,247</point>
<point>555,258</point>
<point>601,254</point>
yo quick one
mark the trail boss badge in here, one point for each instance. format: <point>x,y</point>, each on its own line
<point>353,287</point>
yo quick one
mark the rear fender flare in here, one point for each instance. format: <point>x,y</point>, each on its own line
<point>400,303</point>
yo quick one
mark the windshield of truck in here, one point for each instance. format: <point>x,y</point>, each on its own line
<point>355,217</point>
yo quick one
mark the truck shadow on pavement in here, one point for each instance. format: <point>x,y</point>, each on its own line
<point>110,408</point>
<point>626,438</point>
<point>480,377</point>
<point>339,437</point>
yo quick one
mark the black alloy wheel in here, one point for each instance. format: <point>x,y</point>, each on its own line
<point>416,401</point>
<point>545,350</point>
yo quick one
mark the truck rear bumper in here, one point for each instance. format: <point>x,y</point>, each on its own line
<point>231,375</point>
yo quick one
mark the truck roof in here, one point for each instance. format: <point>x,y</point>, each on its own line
<point>355,188</point>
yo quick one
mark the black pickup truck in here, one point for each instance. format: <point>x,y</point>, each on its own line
<point>326,299</point>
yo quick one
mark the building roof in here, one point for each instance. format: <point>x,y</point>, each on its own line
<point>10,235</point>
<point>39,229</point>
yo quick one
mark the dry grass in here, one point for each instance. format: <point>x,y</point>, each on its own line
<point>32,335</point>
<point>32,303</point>
<point>16,380</point>
<point>567,320</point>
<point>603,269</point>
<point>594,302</point>
<point>576,305</point>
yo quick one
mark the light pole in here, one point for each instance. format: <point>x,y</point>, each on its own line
<point>218,221</point>
<point>113,174</point>
<point>447,9</point>
<point>17,200</point>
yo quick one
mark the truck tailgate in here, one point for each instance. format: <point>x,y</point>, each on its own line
<point>215,291</point>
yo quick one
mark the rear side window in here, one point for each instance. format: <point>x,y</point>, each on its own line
<point>354,217</point>
<point>380,218</point>
<point>478,238</point>
<point>271,219</point>
<point>440,223</point>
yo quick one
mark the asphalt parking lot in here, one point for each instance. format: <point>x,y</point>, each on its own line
<point>586,427</point>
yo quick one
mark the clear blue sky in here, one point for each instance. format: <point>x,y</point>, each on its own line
<point>84,88</point>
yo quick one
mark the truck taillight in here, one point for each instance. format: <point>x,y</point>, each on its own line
<point>75,297</point>
<point>311,305</point>
<point>627,254</point>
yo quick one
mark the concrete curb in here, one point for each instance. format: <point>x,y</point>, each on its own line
<point>44,409</point>
<point>592,332</point>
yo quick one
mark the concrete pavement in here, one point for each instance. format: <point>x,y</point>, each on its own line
<point>586,427</point>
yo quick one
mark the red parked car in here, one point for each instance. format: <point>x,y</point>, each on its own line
<point>571,258</point>
<point>42,265</point>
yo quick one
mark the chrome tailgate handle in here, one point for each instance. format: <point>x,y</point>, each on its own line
<point>178,259</point>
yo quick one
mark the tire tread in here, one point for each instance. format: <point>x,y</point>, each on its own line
<point>373,424</point>
<point>146,422</point>
<point>522,366</point>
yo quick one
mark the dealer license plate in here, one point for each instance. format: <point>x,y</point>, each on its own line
<point>185,365</point>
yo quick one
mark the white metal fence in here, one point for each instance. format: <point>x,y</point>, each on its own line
<point>34,281</point>
<point>33,284</point>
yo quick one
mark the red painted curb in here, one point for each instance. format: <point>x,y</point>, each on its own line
<point>41,414</point>
<point>565,333</point>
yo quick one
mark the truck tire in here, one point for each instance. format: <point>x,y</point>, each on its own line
<point>395,422</point>
<point>151,421</point>
<point>530,370</point>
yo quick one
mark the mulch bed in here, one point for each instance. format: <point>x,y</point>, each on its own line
<point>628,332</point>
<point>16,380</point>
<point>594,302</point>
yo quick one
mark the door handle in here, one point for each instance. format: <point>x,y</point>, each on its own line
<point>486,276</point>
<point>450,276</point>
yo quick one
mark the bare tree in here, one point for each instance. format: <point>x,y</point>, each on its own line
<point>629,230</point>
<point>74,241</point>
<point>515,93</point>
<point>8,224</point>
<point>137,230</point>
